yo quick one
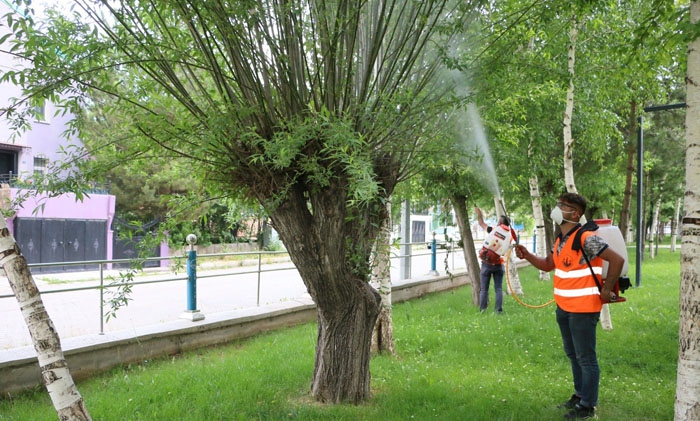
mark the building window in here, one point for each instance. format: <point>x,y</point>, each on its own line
<point>41,164</point>
<point>40,110</point>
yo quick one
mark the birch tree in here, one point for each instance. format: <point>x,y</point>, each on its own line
<point>654,228</point>
<point>64,394</point>
<point>539,222</point>
<point>675,224</point>
<point>687,405</point>
<point>58,380</point>
<point>576,24</point>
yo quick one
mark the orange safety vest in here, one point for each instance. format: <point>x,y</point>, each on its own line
<point>575,290</point>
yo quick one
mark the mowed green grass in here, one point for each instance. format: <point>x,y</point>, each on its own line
<point>452,363</point>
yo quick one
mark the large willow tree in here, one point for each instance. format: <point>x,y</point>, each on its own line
<point>315,108</point>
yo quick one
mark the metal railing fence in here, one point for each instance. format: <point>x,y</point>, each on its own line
<point>212,265</point>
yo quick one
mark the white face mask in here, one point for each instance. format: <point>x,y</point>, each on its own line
<point>557,215</point>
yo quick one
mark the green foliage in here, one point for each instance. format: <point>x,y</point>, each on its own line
<point>516,61</point>
<point>118,293</point>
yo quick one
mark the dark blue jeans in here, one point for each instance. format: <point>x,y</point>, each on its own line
<point>487,271</point>
<point>578,332</point>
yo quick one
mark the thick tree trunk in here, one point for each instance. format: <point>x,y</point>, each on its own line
<point>383,334</point>
<point>54,368</point>
<point>459,203</point>
<point>332,250</point>
<point>687,406</point>
<point>341,369</point>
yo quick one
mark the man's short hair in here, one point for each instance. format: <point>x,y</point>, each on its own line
<point>576,200</point>
<point>503,220</point>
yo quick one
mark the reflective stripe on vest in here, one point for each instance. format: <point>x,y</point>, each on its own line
<point>575,290</point>
<point>598,270</point>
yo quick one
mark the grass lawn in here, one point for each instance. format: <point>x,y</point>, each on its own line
<point>452,363</point>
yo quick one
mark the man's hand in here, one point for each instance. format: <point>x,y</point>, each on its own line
<point>521,251</point>
<point>606,295</point>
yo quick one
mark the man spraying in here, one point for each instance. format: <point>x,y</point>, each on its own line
<point>497,242</point>
<point>579,297</point>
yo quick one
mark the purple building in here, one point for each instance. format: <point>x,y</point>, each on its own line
<point>61,229</point>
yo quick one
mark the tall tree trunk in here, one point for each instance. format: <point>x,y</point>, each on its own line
<point>645,219</point>
<point>332,250</point>
<point>630,170</point>
<point>605,319</point>
<point>383,334</point>
<point>569,111</point>
<point>459,203</point>
<point>54,368</point>
<point>654,228</point>
<point>536,200</point>
<point>687,406</point>
<point>674,225</point>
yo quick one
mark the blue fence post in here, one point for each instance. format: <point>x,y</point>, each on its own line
<point>433,258</point>
<point>534,242</point>
<point>192,313</point>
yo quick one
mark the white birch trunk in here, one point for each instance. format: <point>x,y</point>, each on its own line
<point>631,235</point>
<point>383,334</point>
<point>674,231</point>
<point>687,405</point>
<point>536,199</point>
<point>605,319</point>
<point>569,111</point>
<point>513,280</point>
<point>513,277</point>
<point>654,229</point>
<point>59,383</point>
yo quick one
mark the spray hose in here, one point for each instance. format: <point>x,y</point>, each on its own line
<point>512,291</point>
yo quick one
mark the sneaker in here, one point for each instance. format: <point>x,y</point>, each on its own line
<point>571,403</point>
<point>580,412</point>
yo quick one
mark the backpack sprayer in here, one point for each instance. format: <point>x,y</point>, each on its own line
<point>498,241</point>
<point>612,235</point>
